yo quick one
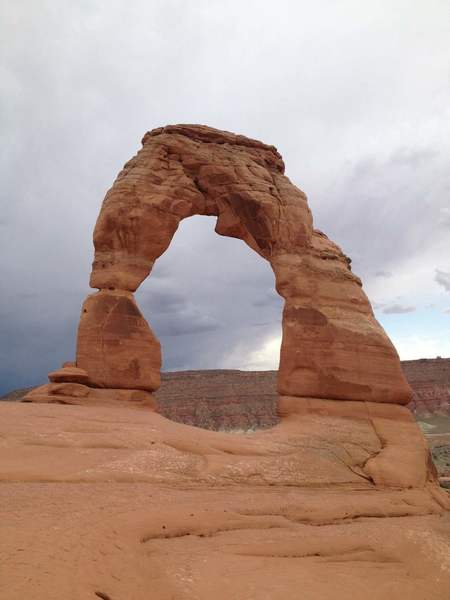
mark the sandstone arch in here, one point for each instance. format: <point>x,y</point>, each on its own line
<point>332,345</point>
<point>344,448</point>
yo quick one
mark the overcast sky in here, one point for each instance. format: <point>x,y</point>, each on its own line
<point>354,94</point>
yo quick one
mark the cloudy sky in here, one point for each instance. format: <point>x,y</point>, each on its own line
<point>354,94</point>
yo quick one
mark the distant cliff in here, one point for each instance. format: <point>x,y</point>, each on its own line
<point>219,399</point>
<point>430,380</point>
<point>232,399</point>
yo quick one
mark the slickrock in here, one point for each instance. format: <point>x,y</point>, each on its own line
<point>106,502</point>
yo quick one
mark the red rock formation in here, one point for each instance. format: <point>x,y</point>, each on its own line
<point>430,380</point>
<point>68,374</point>
<point>119,503</point>
<point>115,345</point>
<point>332,345</point>
<point>208,508</point>
<point>232,399</point>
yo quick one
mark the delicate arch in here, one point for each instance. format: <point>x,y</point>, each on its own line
<point>332,346</point>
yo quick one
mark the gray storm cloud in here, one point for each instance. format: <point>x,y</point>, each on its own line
<point>398,309</point>
<point>354,95</point>
<point>443,279</point>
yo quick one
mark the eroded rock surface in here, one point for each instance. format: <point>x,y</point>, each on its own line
<point>106,502</point>
<point>115,345</point>
<point>332,345</point>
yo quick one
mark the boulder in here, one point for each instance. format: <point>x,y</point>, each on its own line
<point>70,374</point>
<point>115,345</point>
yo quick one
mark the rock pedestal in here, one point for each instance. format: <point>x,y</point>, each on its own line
<point>115,345</point>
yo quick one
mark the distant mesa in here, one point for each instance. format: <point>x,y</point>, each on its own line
<point>242,400</point>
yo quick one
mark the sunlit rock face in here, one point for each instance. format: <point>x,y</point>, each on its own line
<point>332,345</point>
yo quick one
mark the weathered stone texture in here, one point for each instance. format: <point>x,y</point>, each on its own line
<point>332,345</point>
<point>115,344</point>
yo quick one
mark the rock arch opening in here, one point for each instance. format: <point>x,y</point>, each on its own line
<point>332,346</point>
<point>212,302</point>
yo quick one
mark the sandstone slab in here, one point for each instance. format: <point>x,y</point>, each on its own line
<point>111,502</point>
<point>69,374</point>
<point>77,394</point>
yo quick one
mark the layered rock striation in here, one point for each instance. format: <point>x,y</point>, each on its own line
<point>430,381</point>
<point>111,502</point>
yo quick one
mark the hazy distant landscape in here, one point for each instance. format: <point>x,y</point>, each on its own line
<point>233,400</point>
